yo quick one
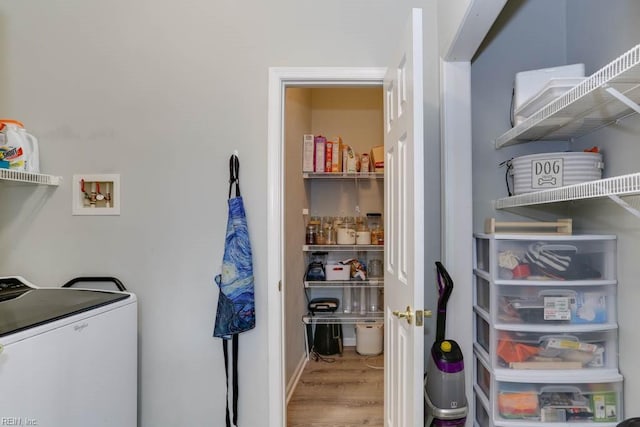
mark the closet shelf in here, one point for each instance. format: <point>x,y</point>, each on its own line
<point>343,248</point>
<point>610,94</point>
<point>342,318</point>
<point>623,185</point>
<point>371,283</point>
<point>29,177</point>
<point>343,175</point>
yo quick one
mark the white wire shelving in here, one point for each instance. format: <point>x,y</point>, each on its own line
<point>343,175</point>
<point>613,188</point>
<point>370,283</point>
<point>608,95</point>
<point>343,248</point>
<point>29,177</point>
<point>343,318</point>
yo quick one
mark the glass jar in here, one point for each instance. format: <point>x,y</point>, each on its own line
<point>363,235</point>
<point>347,232</point>
<point>375,226</point>
<point>311,233</point>
<point>374,268</point>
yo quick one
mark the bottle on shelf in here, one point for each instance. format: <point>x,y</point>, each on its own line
<point>375,226</point>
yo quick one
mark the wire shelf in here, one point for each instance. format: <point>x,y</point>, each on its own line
<point>29,177</point>
<point>623,185</point>
<point>343,318</point>
<point>371,283</point>
<point>608,95</point>
<point>343,248</point>
<point>343,175</point>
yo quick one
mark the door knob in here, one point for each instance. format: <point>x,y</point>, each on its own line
<point>408,314</point>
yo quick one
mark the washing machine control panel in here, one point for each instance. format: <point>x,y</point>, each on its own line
<point>11,287</point>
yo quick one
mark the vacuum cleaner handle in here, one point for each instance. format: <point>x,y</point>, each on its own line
<point>445,287</point>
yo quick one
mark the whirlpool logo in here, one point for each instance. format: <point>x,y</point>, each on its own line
<point>80,327</point>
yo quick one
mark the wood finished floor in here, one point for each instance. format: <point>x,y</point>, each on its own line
<point>346,393</point>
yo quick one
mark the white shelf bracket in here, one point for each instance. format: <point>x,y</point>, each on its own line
<point>622,98</point>
<point>633,211</point>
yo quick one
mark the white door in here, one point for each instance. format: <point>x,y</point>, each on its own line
<point>404,232</point>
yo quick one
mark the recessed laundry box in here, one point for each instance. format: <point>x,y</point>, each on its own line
<point>537,172</point>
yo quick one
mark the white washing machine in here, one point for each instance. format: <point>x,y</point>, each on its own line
<point>68,357</point>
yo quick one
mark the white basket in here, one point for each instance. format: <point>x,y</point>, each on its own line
<point>537,172</point>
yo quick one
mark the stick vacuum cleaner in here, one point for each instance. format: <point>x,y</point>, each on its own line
<point>444,391</point>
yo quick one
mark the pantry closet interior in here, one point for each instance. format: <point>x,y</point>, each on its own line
<point>355,115</point>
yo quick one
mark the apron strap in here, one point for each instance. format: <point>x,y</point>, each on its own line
<point>234,378</point>
<point>234,174</point>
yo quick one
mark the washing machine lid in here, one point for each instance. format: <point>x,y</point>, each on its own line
<point>23,306</point>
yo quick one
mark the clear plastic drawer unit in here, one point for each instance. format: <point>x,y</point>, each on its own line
<point>546,257</point>
<point>545,330</point>
<point>559,402</point>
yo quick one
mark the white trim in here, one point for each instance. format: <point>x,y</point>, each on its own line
<point>457,200</point>
<point>478,19</point>
<point>279,79</point>
<point>295,378</point>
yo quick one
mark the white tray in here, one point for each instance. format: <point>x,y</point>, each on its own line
<point>554,89</point>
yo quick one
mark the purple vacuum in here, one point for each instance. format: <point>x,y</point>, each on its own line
<point>444,391</point>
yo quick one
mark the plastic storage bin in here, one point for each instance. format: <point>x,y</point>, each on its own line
<point>556,350</point>
<point>483,376</point>
<point>483,332</point>
<point>545,336</point>
<point>568,305</point>
<point>560,402</point>
<point>482,414</point>
<point>562,258</point>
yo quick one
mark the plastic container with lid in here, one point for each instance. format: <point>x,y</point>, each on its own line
<point>363,235</point>
<point>311,233</point>
<point>347,232</point>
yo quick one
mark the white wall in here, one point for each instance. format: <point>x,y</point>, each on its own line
<point>541,33</point>
<point>527,35</point>
<point>162,93</point>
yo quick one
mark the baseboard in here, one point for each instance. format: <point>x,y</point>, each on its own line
<point>293,382</point>
<point>349,342</point>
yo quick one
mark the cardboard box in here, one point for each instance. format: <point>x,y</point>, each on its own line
<point>328,156</point>
<point>308,152</point>
<point>377,158</point>
<point>351,162</point>
<point>336,156</point>
<point>319,142</point>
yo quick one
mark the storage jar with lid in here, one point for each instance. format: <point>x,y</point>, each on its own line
<point>375,227</point>
<point>347,232</point>
<point>363,235</point>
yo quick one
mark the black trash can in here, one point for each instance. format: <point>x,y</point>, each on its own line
<point>328,339</point>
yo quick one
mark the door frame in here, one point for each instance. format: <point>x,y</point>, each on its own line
<point>280,78</point>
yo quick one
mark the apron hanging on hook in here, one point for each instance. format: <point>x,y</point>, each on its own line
<point>236,305</point>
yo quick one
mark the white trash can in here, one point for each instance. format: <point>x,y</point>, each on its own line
<point>369,338</point>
